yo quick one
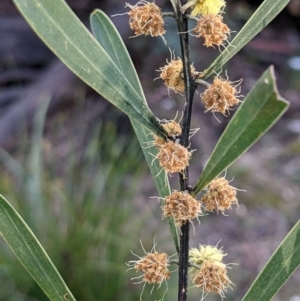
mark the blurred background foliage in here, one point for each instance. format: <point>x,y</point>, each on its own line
<point>73,169</point>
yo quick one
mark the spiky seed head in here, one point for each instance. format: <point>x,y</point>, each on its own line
<point>146,19</point>
<point>154,266</point>
<point>172,75</point>
<point>220,96</point>
<point>182,206</point>
<point>212,29</point>
<point>219,196</point>
<point>211,277</point>
<point>173,157</point>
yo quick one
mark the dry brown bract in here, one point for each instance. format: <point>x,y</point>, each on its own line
<point>173,157</point>
<point>154,266</point>
<point>212,277</point>
<point>146,19</point>
<point>182,206</point>
<point>212,29</point>
<point>219,196</point>
<point>220,96</point>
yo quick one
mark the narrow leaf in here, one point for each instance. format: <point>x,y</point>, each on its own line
<point>108,37</point>
<point>159,176</point>
<point>67,37</point>
<point>31,254</point>
<point>266,12</point>
<point>282,264</point>
<point>262,107</point>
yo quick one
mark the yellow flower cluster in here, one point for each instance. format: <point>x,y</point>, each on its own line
<point>204,7</point>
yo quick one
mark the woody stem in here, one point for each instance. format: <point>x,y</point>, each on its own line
<point>182,24</point>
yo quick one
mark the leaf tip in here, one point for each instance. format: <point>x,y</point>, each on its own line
<point>275,88</point>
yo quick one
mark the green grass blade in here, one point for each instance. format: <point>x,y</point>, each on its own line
<point>108,37</point>
<point>262,107</point>
<point>67,37</point>
<point>266,12</point>
<point>31,254</point>
<point>281,265</point>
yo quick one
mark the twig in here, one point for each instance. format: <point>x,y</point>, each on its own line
<point>182,25</point>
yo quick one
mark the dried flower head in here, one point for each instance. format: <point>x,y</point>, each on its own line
<point>220,96</point>
<point>146,19</point>
<point>155,267</point>
<point>173,157</point>
<point>212,29</point>
<point>172,75</point>
<point>219,196</point>
<point>173,128</point>
<point>211,277</point>
<point>204,7</point>
<point>182,206</point>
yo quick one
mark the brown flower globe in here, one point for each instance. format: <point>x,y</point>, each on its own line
<point>219,196</point>
<point>212,29</point>
<point>220,96</point>
<point>173,128</point>
<point>146,19</point>
<point>182,206</point>
<point>154,266</point>
<point>212,277</point>
<point>173,157</point>
<point>172,75</point>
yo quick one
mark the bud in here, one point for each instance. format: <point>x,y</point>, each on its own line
<point>146,19</point>
<point>219,196</point>
<point>212,29</point>
<point>182,206</point>
<point>206,252</point>
<point>220,96</point>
